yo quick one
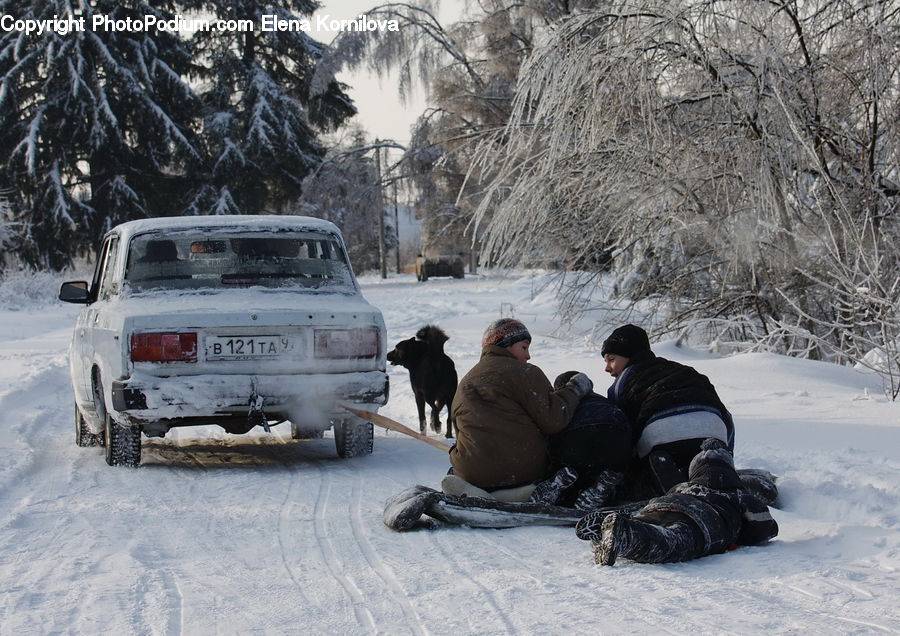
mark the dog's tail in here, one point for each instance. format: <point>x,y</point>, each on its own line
<point>433,336</point>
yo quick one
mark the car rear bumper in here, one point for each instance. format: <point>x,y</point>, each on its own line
<point>144,398</point>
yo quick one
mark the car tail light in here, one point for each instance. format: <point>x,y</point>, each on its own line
<point>164,347</point>
<point>346,343</point>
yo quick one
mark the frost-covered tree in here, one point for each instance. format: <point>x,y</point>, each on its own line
<point>262,118</point>
<point>469,69</point>
<point>737,160</point>
<point>95,125</point>
<point>347,189</point>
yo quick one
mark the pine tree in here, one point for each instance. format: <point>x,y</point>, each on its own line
<point>261,116</point>
<point>95,124</point>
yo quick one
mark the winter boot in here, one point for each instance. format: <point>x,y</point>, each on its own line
<point>613,536</point>
<point>589,526</point>
<point>624,536</point>
<point>550,490</point>
<point>601,493</point>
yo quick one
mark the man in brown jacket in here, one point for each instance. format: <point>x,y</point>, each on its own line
<point>504,410</point>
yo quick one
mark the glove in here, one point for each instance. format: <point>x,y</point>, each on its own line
<point>580,384</point>
<point>562,379</point>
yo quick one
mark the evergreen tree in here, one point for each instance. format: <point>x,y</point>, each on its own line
<point>261,116</point>
<point>95,124</point>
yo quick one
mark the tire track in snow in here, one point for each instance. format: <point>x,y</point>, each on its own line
<point>330,555</point>
<point>489,597</point>
<point>392,584</point>
<point>175,624</point>
<point>337,566</point>
<point>27,453</point>
<point>823,603</point>
<point>284,520</point>
<point>363,615</point>
<point>589,597</point>
<point>159,586</point>
<point>862,623</point>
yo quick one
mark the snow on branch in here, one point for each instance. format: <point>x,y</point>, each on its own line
<point>730,159</point>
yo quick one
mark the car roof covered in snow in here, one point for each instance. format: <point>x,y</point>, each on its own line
<point>226,222</point>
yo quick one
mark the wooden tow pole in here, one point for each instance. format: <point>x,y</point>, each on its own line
<point>393,425</point>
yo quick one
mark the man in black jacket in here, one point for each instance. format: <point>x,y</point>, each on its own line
<point>671,407</point>
<point>708,514</point>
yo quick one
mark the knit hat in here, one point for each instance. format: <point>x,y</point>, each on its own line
<point>505,332</point>
<point>713,467</point>
<point>627,341</point>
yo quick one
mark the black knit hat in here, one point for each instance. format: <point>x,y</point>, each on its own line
<point>627,341</point>
<point>505,332</point>
<point>713,467</point>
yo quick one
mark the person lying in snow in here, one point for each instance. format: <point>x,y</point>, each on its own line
<point>671,407</point>
<point>708,514</point>
<point>504,410</point>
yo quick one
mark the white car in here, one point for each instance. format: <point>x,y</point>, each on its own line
<point>238,321</point>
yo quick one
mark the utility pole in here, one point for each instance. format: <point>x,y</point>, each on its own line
<point>397,225</point>
<point>379,203</point>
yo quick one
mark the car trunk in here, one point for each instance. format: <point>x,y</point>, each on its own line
<point>263,333</point>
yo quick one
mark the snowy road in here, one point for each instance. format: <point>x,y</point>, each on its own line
<point>262,534</point>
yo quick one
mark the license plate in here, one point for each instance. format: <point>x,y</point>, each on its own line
<point>246,347</point>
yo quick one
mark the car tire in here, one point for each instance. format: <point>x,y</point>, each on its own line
<point>305,433</point>
<point>353,438</point>
<point>123,443</point>
<point>83,435</point>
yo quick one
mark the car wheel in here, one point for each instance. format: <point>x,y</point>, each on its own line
<point>353,438</point>
<point>123,443</point>
<point>83,436</point>
<point>305,433</point>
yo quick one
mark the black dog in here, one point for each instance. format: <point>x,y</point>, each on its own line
<point>432,374</point>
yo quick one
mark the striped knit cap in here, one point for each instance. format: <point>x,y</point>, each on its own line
<point>505,333</point>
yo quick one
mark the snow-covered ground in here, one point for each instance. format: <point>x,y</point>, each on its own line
<point>261,534</point>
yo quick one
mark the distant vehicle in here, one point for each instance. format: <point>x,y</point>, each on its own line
<point>239,321</point>
<point>445,265</point>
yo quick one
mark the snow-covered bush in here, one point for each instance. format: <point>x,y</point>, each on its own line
<point>28,289</point>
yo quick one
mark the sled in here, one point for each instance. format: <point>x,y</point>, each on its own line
<point>404,511</point>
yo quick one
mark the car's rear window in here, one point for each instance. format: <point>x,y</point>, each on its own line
<point>225,260</point>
